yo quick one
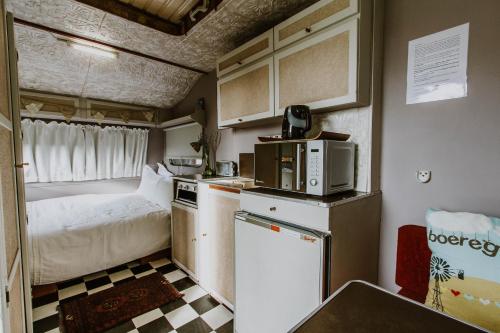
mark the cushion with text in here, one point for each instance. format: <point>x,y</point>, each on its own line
<point>465,266</point>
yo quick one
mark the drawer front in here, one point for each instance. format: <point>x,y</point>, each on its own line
<point>308,216</point>
<point>245,54</point>
<point>312,19</point>
<point>320,71</point>
<point>247,94</point>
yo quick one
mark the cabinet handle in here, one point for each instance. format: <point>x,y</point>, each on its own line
<point>204,235</point>
<point>193,240</point>
<point>308,30</point>
<point>22,165</point>
<point>272,209</point>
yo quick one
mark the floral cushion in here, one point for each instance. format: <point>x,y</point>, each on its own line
<point>465,266</point>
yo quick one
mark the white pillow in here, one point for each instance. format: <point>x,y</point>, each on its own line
<point>155,188</point>
<point>162,171</point>
<point>149,178</point>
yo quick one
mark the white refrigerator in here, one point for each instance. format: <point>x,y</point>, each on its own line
<point>281,273</point>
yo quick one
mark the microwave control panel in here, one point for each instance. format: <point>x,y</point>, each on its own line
<point>314,177</point>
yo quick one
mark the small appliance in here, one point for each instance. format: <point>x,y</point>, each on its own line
<point>226,168</point>
<point>186,193</point>
<point>317,167</point>
<point>296,122</point>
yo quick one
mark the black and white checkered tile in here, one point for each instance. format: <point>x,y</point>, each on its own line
<point>195,312</point>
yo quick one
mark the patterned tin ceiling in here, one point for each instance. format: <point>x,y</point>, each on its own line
<point>47,64</point>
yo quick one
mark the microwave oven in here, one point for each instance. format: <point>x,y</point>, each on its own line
<point>316,167</point>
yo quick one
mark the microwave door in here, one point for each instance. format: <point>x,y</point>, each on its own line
<point>287,166</point>
<point>267,165</point>
<point>293,168</point>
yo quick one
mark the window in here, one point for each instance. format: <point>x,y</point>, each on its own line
<point>70,152</point>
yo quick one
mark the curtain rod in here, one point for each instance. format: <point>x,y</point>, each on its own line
<point>77,122</point>
<point>117,48</point>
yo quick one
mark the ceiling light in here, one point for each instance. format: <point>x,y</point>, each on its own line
<point>94,50</point>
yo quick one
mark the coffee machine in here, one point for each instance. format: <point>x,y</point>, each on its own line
<point>296,122</point>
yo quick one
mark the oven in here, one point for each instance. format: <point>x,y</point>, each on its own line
<point>186,193</point>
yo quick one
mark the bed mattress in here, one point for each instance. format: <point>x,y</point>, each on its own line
<point>78,235</point>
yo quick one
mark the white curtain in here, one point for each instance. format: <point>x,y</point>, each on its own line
<point>69,152</point>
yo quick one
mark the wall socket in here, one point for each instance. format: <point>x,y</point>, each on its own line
<point>424,176</point>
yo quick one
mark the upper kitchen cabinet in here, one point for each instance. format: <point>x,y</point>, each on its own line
<point>326,70</point>
<point>246,53</point>
<point>247,94</point>
<point>320,57</point>
<point>312,19</point>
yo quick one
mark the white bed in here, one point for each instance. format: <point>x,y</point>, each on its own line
<point>77,235</point>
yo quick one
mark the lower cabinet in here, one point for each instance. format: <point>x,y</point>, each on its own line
<point>217,206</point>
<point>184,238</point>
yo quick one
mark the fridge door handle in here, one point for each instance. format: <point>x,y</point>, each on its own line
<point>299,158</point>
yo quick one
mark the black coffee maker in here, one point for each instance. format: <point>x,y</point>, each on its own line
<point>296,122</point>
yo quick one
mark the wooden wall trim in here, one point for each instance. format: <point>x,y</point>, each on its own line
<point>224,188</point>
<point>136,15</point>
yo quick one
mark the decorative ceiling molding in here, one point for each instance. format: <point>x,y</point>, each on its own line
<point>48,65</point>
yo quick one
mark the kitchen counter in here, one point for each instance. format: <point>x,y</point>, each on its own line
<point>193,178</point>
<point>233,182</point>
<point>326,201</point>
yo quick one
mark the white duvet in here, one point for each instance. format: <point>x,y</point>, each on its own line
<point>78,235</point>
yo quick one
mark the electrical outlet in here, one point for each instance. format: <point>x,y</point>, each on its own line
<point>424,176</point>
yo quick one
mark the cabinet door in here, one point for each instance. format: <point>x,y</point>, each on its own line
<point>246,53</point>
<point>223,204</point>
<point>247,94</point>
<point>184,242</point>
<point>314,18</point>
<point>320,71</point>
<point>12,311</point>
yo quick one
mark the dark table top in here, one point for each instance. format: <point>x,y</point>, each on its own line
<point>363,307</point>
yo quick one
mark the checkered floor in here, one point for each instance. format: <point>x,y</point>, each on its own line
<point>195,312</point>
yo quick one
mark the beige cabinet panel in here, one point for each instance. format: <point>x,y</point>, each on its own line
<point>184,240</point>
<point>320,71</point>
<point>246,53</point>
<point>247,94</point>
<point>314,18</point>
<point>8,196</point>
<point>16,304</point>
<point>223,205</point>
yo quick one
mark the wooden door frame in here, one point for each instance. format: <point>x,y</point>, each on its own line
<point>19,174</point>
<point>4,279</point>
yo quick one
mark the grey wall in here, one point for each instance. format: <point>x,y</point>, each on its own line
<point>458,140</point>
<point>156,145</point>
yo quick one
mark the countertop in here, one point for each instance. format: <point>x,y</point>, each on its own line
<point>246,185</point>
<point>233,182</point>
<point>194,178</point>
<point>325,201</point>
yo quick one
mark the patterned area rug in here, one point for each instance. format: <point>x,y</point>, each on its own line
<point>108,308</point>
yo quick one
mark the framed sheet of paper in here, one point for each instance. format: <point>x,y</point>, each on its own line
<point>437,66</point>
